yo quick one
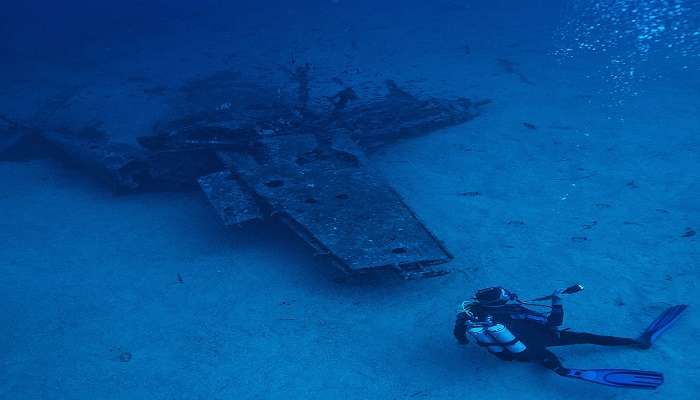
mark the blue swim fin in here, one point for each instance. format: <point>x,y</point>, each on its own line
<point>624,378</point>
<point>660,325</point>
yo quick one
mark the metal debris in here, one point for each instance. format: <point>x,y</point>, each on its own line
<point>257,154</point>
<point>332,198</point>
<point>233,205</point>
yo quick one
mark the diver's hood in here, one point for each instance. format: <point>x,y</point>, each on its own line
<point>494,297</point>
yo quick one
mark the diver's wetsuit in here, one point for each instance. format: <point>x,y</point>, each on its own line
<point>537,331</point>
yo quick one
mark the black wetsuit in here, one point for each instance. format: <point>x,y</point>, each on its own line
<point>537,332</point>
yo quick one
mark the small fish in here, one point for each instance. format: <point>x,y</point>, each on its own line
<point>689,232</point>
<point>529,125</point>
<point>510,67</point>
<point>179,279</point>
<point>632,223</point>
<point>590,226</point>
<point>470,194</point>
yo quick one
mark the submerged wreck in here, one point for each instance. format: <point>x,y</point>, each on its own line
<point>266,155</point>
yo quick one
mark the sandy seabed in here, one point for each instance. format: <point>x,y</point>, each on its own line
<point>148,296</point>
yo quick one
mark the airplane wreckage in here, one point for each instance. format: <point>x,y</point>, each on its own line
<point>269,155</point>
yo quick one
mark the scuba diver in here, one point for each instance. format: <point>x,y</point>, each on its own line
<point>498,320</point>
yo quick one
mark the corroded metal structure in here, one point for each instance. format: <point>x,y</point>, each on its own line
<point>271,156</point>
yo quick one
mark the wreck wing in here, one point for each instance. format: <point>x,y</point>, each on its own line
<point>329,195</point>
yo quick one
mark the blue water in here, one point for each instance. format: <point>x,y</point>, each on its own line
<point>147,296</point>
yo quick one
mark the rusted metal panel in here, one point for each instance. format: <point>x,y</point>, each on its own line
<point>19,142</point>
<point>370,122</point>
<point>256,153</point>
<point>178,170</point>
<point>331,197</point>
<point>127,168</point>
<point>119,164</point>
<point>231,202</point>
<point>373,123</point>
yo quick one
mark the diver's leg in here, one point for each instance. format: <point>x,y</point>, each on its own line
<point>550,361</point>
<point>565,338</point>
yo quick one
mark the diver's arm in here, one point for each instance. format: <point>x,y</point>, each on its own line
<point>460,330</point>
<point>556,317</point>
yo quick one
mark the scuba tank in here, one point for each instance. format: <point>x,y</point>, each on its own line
<point>482,337</point>
<point>495,337</point>
<point>506,338</point>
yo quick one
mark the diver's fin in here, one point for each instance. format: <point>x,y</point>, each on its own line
<point>624,378</point>
<point>660,325</point>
